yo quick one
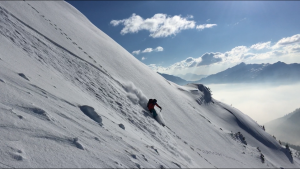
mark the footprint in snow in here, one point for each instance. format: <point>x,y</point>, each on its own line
<point>154,149</point>
<point>17,155</point>
<point>133,156</point>
<point>122,126</point>
<point>176,164</point>
<point>77,144</point>
<point>144,158</point>
<point>138,165</point>
<point>22,75</point>
<point>12,111</point>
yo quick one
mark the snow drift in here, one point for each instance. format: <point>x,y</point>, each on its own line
<point>72,97</point>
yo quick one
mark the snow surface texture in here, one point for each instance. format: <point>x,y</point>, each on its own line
<point>73,97</point>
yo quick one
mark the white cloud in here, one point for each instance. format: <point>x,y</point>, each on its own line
<point>115,22</point>
<point>260,46</point>
<point>148,50</point>
<point>240,21</point>
<point>210,58</point>
<point>201,27</point>
<point>156,68</point>
<point>287,41</point>
<point>235,55</point>
<point>136,52</point>
<point>132,24</point>
<point>279,52</point>
<point>270,54</point>
<point>247,56</point>
<point>143,58</point>
<point>160,25</point>
<point>237,22</point>
<point>205,59</point>
<point>159,49</point>
<point>172,26</point>
<point>190,16</point>
<point>290,48</point>
<point>295,49</point>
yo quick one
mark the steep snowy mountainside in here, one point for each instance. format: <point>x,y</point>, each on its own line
<point>286,128</point>
<point>73,31</point>
<point>73,97</point>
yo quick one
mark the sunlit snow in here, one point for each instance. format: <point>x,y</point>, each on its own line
<point>72,97</point>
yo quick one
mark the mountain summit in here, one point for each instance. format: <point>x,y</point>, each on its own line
<point>72,97</point>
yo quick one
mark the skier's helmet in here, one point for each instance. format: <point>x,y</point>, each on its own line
<point>154,101</point>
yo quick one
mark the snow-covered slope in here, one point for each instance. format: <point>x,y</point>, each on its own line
<point>72,97</point>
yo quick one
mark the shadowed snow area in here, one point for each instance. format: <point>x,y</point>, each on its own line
<point>22,75</point>
<point>80,78</point>
<point>90,112</point>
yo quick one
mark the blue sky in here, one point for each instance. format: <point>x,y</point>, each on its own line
<point>200,37</point>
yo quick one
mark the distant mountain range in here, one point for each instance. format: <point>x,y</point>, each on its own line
<point>191,76</point>
<point>175,79</point>
<point>286,128</point>
<point>279,72</point>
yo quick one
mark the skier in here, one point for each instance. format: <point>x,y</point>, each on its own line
<point>150,105</point>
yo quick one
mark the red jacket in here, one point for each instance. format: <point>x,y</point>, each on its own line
<point>151,106</point>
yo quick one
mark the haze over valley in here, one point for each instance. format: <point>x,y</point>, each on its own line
<point>262,102</point>
<point>262,91</point>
